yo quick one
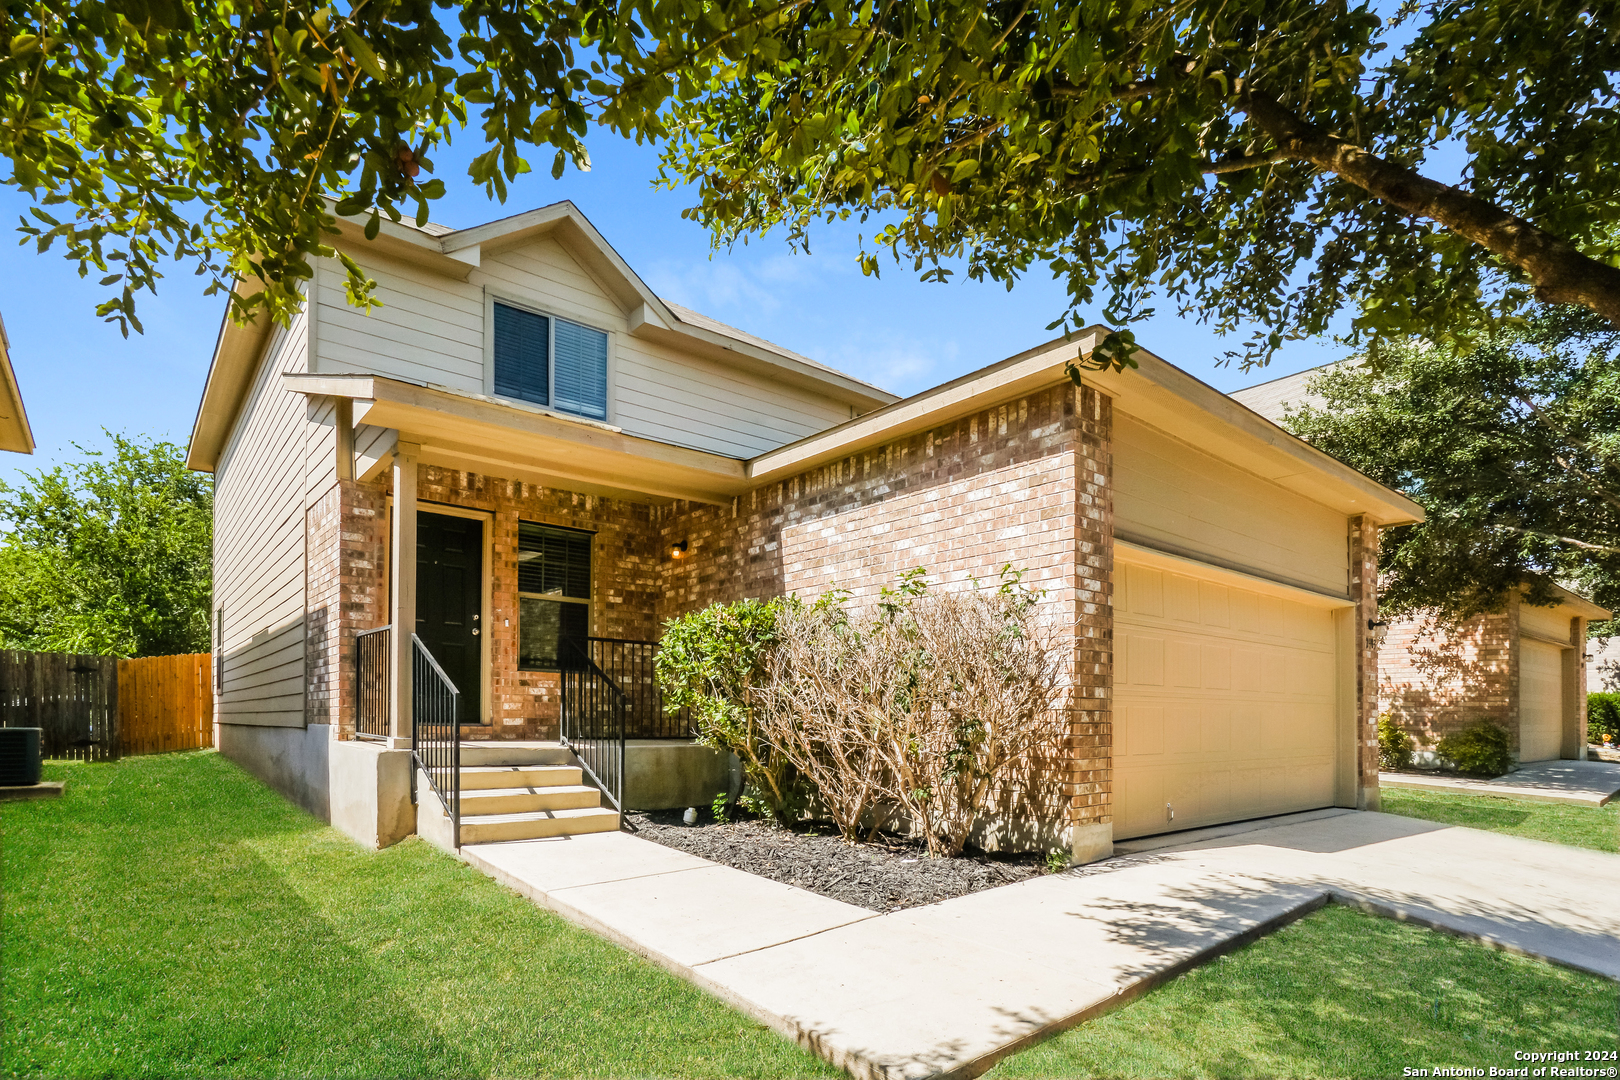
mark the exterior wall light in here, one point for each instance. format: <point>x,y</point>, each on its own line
<point>677,550</point>
<point>1379,630</point>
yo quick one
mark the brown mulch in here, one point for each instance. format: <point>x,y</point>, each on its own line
<point>889,874</point>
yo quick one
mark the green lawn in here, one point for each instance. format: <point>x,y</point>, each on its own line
<point>1579,826</point>
<point>170,916</point>
<point>1338,994</point>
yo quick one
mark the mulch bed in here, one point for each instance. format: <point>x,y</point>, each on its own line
<point>889,874</point>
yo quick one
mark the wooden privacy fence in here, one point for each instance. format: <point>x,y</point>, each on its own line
<point>165,703</point>
<point>72,698</point>
<point>98,708</point>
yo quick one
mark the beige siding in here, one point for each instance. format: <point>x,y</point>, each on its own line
<point>1548,622</point>
<point>430,330</point>
<point>1541,700</point>
<point>259,545</point>
<point>1169,493</point>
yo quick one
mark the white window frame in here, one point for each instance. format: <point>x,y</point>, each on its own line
<point>495,296</point>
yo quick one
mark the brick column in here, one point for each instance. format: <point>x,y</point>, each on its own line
<point>1364,592</point>
<point>1091,728</point>
<point>1574,748</point>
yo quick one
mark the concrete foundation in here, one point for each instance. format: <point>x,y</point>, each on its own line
<point>294,761</point>
<point>369,792</point>
<point>1091,843</point>
<point>663,775</point>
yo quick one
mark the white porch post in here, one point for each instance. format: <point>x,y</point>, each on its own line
<point>402,590</point>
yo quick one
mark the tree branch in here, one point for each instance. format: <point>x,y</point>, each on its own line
<point>1570,540</point>
<point>1561,273</point>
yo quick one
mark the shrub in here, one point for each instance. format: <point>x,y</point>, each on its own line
<point>1603,716</point>
<point>1394,745</point>
<point>710,662</point>
<point>1480,749</point>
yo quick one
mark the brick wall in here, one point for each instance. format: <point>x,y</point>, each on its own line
<point>1363,540</point>
<point>346,535</point>
<point>1435,678</point>
<point>624,582</point>
<point>1026,482</point>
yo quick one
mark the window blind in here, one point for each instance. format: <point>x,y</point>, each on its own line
<point>554,562</point>
<point>522,348</point>
<point>581,370</point>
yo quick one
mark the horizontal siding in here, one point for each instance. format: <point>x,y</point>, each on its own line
<point>1169,491</point>
<point>430,329</point>
<point>260,487</point>
<point>664,395</point>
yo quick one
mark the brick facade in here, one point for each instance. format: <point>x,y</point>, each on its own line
<point>346,537</point>
<point>1363,587</point>
<point>1435,678</point>
<point>1026,482</point>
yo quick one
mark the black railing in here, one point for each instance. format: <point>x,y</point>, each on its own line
<point>593,716</point>
<point>436,732</point>
<point>371,682</point>
<point>629,663</point>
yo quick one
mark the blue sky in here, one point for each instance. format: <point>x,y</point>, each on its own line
<point>79,375</point>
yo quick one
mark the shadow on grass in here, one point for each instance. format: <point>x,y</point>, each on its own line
<point>170,915</point>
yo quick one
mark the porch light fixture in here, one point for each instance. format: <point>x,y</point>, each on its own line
<point>1379,630</point>
<point>677,550</point>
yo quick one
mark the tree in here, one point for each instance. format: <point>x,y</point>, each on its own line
<point>110,554</point>
<point>1512,449</point>
<point>1253,160</point>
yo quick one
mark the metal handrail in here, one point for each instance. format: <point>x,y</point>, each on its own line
<point>371,685</point>
<point>436,732</point>
<point>600,752</point>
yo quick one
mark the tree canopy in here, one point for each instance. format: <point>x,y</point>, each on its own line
<point>1257,162</point>
<point>1512,449</point>
<point>110,554</point>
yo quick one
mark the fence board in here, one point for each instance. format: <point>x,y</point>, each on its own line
<point>166,703</point>
<point>72,698</point>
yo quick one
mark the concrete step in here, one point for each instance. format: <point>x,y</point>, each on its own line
<point>479,777</point>
<point>522,800</point>
<point>492,828</point>
<point>515,753</point>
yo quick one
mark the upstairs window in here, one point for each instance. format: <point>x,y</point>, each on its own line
<point>554,595</point>
<point>551,362</point>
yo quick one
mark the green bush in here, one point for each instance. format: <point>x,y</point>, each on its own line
<point>711,662</point>
<point>1481,749</point>
<point>1394,745</point>
<point>1602,717</point>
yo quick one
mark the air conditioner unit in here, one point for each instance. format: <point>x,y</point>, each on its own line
<point>20,762</point>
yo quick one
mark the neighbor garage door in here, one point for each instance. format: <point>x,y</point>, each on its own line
<point>1224,697</point>
<point>1541,700</point>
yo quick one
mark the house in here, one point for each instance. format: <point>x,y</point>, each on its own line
<point>1523,667</point>
<point>15,434</point>
<point>534,461</point>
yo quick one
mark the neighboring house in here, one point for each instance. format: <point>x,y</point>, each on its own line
<point>524,452</point>
<point>15,434</point>
<point>1524,667</point>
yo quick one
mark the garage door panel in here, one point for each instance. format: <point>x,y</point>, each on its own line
<point>1541,700</point>
<point>1227,715</point>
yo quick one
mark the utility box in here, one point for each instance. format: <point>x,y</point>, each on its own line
<point>21,763</point>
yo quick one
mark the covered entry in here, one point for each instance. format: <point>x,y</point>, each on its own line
<point>1227,696</point>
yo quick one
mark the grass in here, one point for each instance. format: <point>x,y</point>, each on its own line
<point>1592,827</point>
<point>171,916</point>
<point>1339,994</point>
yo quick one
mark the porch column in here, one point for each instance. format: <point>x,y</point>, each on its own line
<point>402,592</point>
<point>1574,740</point>
<point>1091,725</point>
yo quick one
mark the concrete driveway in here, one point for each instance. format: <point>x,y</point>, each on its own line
<point>1581,783</point>
<point>951,988</point>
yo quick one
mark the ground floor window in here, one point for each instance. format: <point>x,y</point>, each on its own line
<point>554,594</point>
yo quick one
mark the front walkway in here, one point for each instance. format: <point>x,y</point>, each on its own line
<point>950,988</point>
<point>1582,783</point>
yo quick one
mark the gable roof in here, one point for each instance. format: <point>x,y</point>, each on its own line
<point>457,252</point>
<point>1157,392</point>
<point>15,434</point>
<point>1275,399</point>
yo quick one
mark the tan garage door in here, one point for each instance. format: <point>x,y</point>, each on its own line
<point>1224,701</point>
<point>1541,700</point>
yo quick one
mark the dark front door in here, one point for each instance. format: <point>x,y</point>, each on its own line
<point>449,591</point>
